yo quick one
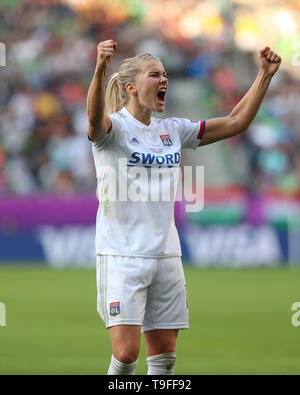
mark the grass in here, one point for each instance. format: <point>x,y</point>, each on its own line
<point>240,322</point>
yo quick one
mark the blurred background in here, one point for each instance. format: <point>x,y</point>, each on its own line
<point>210,50</point>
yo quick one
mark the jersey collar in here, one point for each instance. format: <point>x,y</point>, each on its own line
<point>135,121</point>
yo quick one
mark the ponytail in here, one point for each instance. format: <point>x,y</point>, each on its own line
<point>116,95</point>
<point>113,100</point>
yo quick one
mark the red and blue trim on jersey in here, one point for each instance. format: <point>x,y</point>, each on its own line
<point>109,130</point>
<point>202,130</point>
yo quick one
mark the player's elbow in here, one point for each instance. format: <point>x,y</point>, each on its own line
<point>237,125</point>
<point>95,120</point>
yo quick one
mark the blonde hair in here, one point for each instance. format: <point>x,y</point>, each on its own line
<point>116,95</point>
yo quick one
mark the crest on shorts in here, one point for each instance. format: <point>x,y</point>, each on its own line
<point>166,140</point>
<point>114,308</point>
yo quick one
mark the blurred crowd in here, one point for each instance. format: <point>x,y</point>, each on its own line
<point>51,52</point>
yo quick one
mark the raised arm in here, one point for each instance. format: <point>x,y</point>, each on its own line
<point>245,111</point>
<point>99,122</point>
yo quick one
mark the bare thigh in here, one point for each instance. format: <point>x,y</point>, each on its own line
<point>125,340</point>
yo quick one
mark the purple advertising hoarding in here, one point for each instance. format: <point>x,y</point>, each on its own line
<point>60,230</point>
<point>28,212</point>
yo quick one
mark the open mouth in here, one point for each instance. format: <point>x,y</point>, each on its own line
<point>161,95</point>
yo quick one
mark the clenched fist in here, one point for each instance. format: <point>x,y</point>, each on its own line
<point>269,61</point>
<point>105,51</point>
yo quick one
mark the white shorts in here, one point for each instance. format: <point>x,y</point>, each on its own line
<point>142,291</point>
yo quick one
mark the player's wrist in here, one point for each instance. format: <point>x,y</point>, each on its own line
<point>100,69</point>
<point>266,74</point>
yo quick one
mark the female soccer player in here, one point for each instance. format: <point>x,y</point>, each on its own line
<point>140,279</point>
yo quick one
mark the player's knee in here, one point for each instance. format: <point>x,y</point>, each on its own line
<point>164,346</point>
<point>127,355</point>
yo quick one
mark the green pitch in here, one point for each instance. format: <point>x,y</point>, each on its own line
<point>240,323</point>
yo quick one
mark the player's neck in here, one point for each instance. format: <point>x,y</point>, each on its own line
<point>142,114</point>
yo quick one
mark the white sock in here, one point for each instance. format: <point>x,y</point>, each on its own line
<point>117,368</point>
<point>161,364</point>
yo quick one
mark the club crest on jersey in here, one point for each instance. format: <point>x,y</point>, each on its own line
<point>165,138</point>
<point>114,308</point>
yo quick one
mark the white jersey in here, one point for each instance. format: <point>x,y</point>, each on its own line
<point>142,227</point>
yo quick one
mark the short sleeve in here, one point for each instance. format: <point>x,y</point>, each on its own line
<point>190,132</point>
<point>110,136</point>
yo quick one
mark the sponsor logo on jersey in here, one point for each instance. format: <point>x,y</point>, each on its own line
<point>114,308</point>
<point>166,140</point>
<point>150,159</point>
